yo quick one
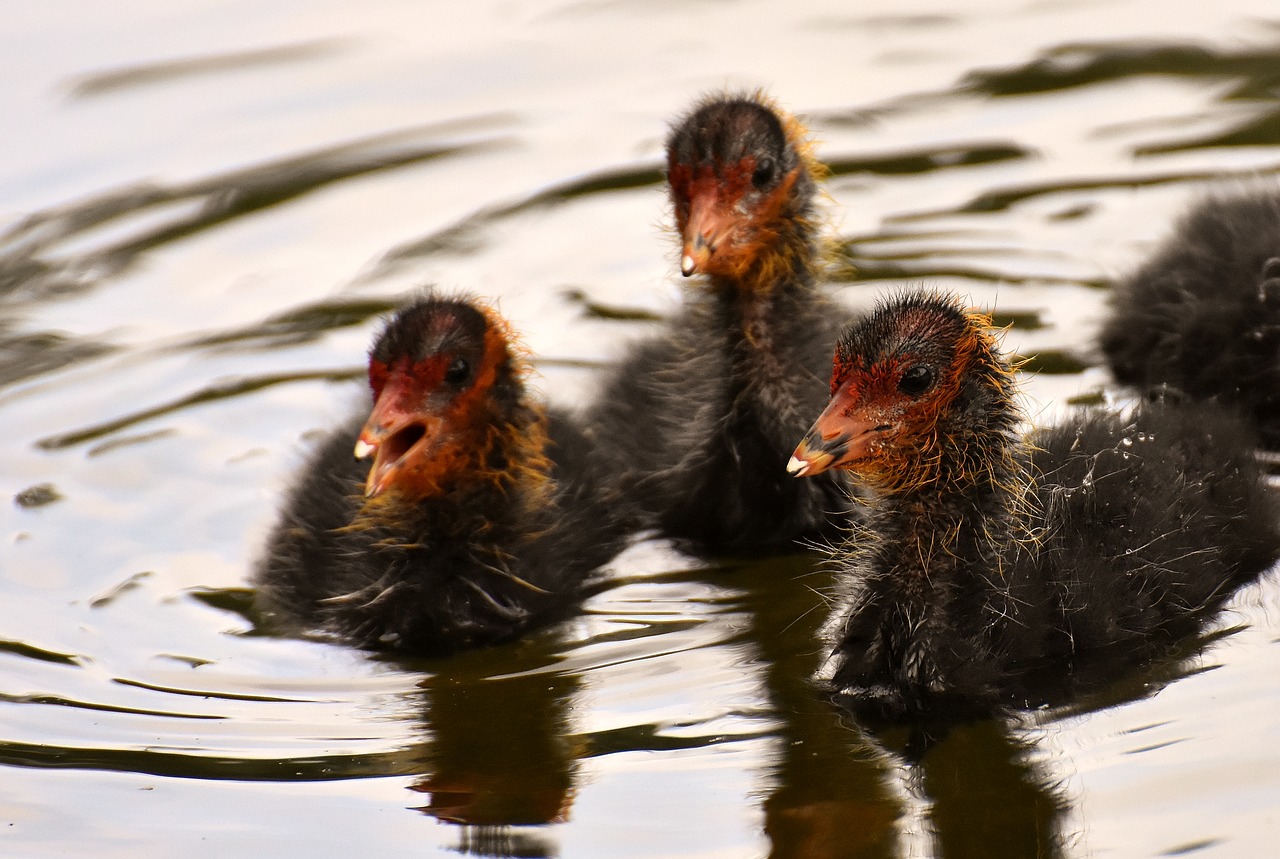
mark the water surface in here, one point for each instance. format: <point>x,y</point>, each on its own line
<point>206,207</point>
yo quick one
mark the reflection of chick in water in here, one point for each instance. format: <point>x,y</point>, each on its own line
<point>982,794</point>
<point>829,796</point>
<point>501,752</point>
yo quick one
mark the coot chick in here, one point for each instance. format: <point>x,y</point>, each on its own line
<point>996,570</point>
<point>478,518</point>
<point>696,423</point>
<point>1202,316</point>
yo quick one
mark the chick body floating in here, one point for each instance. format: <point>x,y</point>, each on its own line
<point>468,514</point>
<point>696,423</point>
<point>1201,317</point>
<point>999,570</point>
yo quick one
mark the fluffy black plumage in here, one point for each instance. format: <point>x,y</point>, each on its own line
<point>995,572</point>
<point>696,423</point>
<point>1202,316</point>
<point>489,527</point>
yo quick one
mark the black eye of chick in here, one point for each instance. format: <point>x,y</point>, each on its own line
<point>916,380</point>
<point>457,372</point>
<point>763,174</point>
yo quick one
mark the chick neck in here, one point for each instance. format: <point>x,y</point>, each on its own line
<point>961,500</point>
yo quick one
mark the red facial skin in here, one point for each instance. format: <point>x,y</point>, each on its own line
<point>723,232</point>
<point>890,439</point>
<point>866,417</point>
<point>399,430</point>
<point>424,437</point>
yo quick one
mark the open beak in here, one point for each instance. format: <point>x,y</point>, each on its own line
<point>838,438</point>
<point>708,227</point>
<point>393,435</point>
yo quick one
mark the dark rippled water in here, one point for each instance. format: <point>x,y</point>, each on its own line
<point>204,208</point>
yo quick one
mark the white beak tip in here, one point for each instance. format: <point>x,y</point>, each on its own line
<point>797,467</point>
<point>363,449</point>
<point>687,265</point>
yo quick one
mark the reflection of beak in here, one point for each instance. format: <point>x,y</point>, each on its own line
<point>708,225</point>
<point>837,439</point>
<point>391,434</point>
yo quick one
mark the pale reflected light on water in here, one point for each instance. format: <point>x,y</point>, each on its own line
<point>205,208</point>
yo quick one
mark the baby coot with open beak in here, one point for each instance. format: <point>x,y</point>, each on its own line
<point>468,514</point>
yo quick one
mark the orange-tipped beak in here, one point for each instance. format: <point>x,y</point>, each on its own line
<point>838,438</point>
<point>706,231</point>
<point>394,435</point>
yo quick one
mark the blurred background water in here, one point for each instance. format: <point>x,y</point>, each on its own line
<point>204,209</point>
